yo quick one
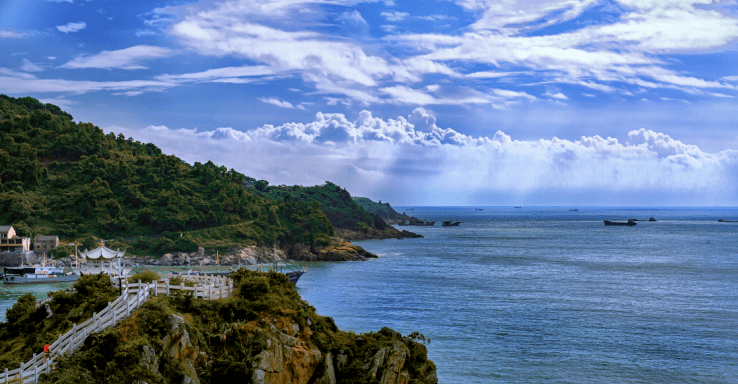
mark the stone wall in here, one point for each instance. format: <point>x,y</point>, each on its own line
<point>15,259</point>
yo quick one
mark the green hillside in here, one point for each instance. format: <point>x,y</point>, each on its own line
<point>383,210</point>
<point>339,207</point>
<point>71,179</point>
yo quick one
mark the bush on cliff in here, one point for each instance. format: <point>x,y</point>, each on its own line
<point>27,328</point>
<point>228,337</point>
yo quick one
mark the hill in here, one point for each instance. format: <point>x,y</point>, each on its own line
<point>73,180</point>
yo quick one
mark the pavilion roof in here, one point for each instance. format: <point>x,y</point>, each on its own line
<point>103,252</point>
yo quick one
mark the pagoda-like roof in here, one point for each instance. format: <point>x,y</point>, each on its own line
<point>103,252</point>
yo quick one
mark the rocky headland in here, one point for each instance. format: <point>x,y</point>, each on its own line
<point>265,333</point>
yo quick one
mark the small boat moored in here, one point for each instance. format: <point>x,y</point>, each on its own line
<point>32,274</point>
<point>629,223</point>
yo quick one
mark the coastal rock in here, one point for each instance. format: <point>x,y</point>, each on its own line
<point>375,234</point>
<point>286,359</point>
<point>178,346</point>
<point>338,250</point>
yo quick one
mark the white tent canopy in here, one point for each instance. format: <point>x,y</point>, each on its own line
<point>104,252</point>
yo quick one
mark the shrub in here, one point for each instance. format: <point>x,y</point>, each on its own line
<point>144,276</point>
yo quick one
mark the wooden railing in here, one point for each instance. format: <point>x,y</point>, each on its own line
<point>132,297</point>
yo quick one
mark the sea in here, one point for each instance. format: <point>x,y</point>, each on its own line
<point>546,294</point>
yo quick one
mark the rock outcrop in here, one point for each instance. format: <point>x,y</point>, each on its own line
<point>338,250</point>
<point>375,234</point>
<point>265,334</point>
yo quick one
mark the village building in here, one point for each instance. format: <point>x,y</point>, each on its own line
<point>43,244</point>
<point>9,242</point>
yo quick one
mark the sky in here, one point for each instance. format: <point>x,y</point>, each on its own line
<point>437,102</point>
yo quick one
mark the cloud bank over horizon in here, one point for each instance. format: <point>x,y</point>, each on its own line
<point>625,102</point>
<point>411,161</point>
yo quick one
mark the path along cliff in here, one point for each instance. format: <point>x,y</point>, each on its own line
<point>264,333</point>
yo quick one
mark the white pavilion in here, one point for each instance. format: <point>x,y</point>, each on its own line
<point>103,259</point>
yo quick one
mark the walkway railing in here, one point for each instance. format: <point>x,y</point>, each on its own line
<point>132,298</point>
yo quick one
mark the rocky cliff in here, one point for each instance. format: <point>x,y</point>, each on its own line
<point>266,334</point>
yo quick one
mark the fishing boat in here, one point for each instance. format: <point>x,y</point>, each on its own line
<point>727,221</point>
<point>293,275</point>
<point>34,274</point>
<point>651,219</point>
<point>451,223</point>
<point>629,223</point>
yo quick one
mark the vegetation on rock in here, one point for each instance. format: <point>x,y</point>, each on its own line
<point>267,332</point>
<point>383,210</point>
<point>28,328</point>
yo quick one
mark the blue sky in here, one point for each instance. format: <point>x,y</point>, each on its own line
<point>449,102</point>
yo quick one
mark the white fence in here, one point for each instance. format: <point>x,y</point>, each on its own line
<point>133,296</point>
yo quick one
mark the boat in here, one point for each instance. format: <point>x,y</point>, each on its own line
<point>293,275</point>
<point>574,210</point>
<point>629,223</point>
<point>478,209</point>
<point>34,274</point>
<point>727,221</point>
<point>651,219</point>
<point>423,223</point>
<point>451,223</point>
<point>518,207</point>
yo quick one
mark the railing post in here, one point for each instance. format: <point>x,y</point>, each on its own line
<point>167,287</point>
<point>114,319</point>
<point>35,369</point>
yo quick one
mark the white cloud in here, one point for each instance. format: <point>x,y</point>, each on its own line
<point>5,34</point>
<point>353,18</point>
<point>12,82</point>
<point>216,74</point>
<point>395,16</point>
<point>127,58</point>
<point>28,66</point>
<point>72,27</point>
<point>417,158</point>
<point>557,95</point>
<point>277,102</point>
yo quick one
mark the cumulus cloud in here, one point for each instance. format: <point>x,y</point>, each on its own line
<point>127,58</point>
<point>427,164</point>
<point>72,27</point>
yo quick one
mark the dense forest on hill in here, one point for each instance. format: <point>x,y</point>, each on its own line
<point>337,203</point>
<point>60,177</point>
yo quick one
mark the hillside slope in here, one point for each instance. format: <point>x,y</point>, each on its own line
<point>71,179</point>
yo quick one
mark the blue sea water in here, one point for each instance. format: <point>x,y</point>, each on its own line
<point>535,294</point>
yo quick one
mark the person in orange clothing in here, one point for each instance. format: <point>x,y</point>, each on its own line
<point>47,350</point>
